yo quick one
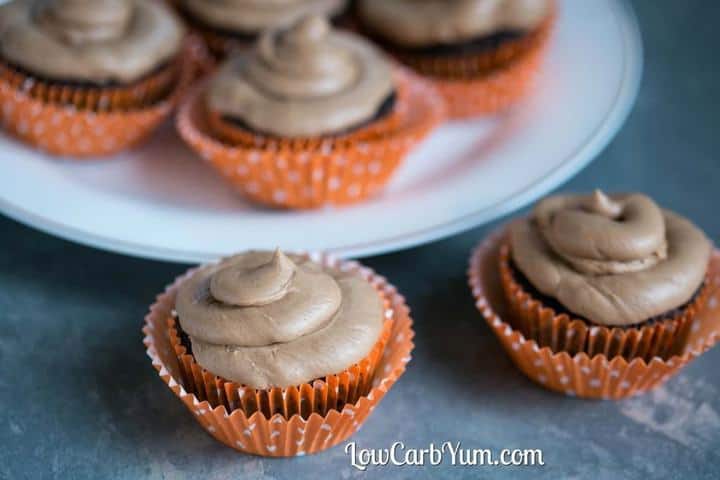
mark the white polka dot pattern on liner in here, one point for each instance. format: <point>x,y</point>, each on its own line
<point>597,377</point>
<point>67,131</point>
<point>340,172</point>
<point>278,436</point>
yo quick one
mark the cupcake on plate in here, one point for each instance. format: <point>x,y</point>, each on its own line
<point>482,54</point>
<point>81,77</point>
<point>280,354</point>
<point>598,279</point>
<point>230,25</point>
<point>311,116</point>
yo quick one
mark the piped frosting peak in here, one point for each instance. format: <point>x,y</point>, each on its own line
<point>305,80</point>
<point>614,260</point>
<point>96,41</point>
<point>301,62</point>
<point>247,286</point>
<point>268,319</point>
<point>599,235</point>
<point>253,16</point>
<point>84,21</point>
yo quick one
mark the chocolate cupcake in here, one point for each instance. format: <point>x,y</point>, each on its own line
<point>94,55</point>
<point>482,54</point>
<point>307,81</point>
<point>311,116</point>
<point>67,59</point>
<point>229,25</point>
<point>620,275</point>
<point>284,341</point>
<point>599,296</point>
<point>264,320</point>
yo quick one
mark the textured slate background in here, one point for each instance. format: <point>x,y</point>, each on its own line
<point>79,399</point>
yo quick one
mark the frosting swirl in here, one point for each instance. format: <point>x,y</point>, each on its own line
<point>421,23</point>
<point>81,21</point>
<point>253,16</point>
<point>264,319</point>
<point>615,261</point>
<point>88,40</point>
<point>598,235</point>
<point>303,81</point>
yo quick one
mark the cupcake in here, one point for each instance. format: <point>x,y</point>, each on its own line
<point>231,25</point>
<point>81,77</point>
<point>593,280</point>
<point>482,54</point>
<point>310,117</point>
<point>289,353</point>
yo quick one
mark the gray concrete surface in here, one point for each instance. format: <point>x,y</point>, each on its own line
<point>79,399</point>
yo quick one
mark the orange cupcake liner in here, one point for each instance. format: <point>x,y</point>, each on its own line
<point>294,427</point>
<point>579,374</point>
<point>309,174</point>
<point>145,91</point>
<point>496,90</point>
<point>65,130</point>
<point>320,396</point>
<point>486,83</point>
<point>564,333</point>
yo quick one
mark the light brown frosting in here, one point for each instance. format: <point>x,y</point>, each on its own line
<point>304,81</point>
<point>418,23</point>
<point>253,16</point>
<point>615,261</point>
<point>265,319</point>
<point>89,40</point>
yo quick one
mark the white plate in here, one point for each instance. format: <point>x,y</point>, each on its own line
<point>161,202</point>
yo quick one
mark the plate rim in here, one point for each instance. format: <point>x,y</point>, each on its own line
<point>586,152</point>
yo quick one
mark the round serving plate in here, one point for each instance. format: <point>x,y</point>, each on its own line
<point>162,202</point>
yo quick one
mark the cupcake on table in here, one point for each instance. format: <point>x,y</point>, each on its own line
<point>482,54</point>
<point>604,262</point>
<point>605,290</point>
<point>311,116</point>
<point>82,77</point>
<point>280,354</point>
<point>228,25</point>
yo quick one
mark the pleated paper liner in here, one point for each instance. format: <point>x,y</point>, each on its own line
<point>660,338</point>
<point>290,432</point>
<point>65,130</point>
<point>334,171</point>
<point>494,91</point>
<point>487,83</point>
<point>320,396</point>
<point>598,376</point>
<point>146,91</point>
